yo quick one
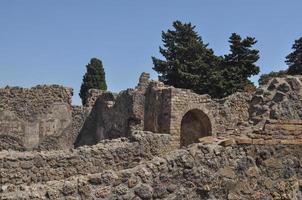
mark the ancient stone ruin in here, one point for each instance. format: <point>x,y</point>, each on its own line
<point>152,142</point>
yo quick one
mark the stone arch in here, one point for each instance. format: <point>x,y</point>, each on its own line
<point>194,125</point>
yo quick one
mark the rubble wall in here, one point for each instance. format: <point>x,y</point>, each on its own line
<point>279,99</point>
<point>182,101</point>
<point>27,116</point>
<point>29,104</point>
<point>68,137</point>
<point>155,107</point>
<point>199,172</point>
<point>93,95</point>
<point>37,167</point>
<point>113,116</point>
<point>225,115</point>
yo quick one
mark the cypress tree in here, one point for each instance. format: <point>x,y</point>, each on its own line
<point>294,59</point>
<point>94,78</point>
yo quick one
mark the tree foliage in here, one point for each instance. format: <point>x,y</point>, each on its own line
<point>294,59</point>
<point>240,64</point>
<point>265,78</point>
<point>94,78</point>
<point>190,64</point>
<point>188,61</point>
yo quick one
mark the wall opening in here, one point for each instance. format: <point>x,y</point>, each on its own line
<point>194,125</point>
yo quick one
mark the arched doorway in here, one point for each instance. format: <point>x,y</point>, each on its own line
<point>194,125</point>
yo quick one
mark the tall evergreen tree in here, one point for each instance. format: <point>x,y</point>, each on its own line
<point>294,59</point>
<point>188,62</point>
<point>94,78</point>
<point>240,64</point>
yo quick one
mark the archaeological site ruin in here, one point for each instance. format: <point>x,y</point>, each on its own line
<point>152,142</point>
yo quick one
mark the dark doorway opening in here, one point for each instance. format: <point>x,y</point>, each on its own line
<point>194,125</point>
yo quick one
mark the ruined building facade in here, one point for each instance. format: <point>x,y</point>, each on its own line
<point>43,118</point>
<point>154,107</point>
<point>152,142</point>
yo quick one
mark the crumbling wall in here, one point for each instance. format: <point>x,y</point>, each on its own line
<point>68,137</point>
<point>113,116</point>
<point>143,82</point>
<point>148,107</point>
<point>93,95</point>
<point>279,99</point>
<point>182,101</point>
<point>199,172</point>
<point>29,104</point>
<point>252,161</point>
<point>155,107</point>
<point>232,113</point>
<point>39,167</point>
<point>225,115</point>
<point>28,116</point>
<point>152,106</point>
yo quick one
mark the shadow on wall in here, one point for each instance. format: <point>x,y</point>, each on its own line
<point>194,125</point>
<point>112,116</point>
<point>30,134</point>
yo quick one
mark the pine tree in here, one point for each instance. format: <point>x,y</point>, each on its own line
<point>188,62</point>
<point>94,78</point>
<point>294,59</point>
<point>238,66</point>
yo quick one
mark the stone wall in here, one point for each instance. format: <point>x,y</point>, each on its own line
<point>249,144</point>
<point>37,167</point>
<point>182,101</point>
<point>143,82</point>
<point>166,106</point>
<point>157,108</point>
<point>68,137</point>
<point>152,106</point>
<point>199,172</point>
<point>233,111</point>
<point>29,104</point>
<point>93,95</point>
<point>46,120</point>
<point>279,99</point>
<point>113,116</point>
<point>30,115</point>
<point>116,115</point>
<point>223,116</point>
<point>280,129</point>
<point>40,117</point>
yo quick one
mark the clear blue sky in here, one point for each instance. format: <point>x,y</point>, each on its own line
<point>51,41</point>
